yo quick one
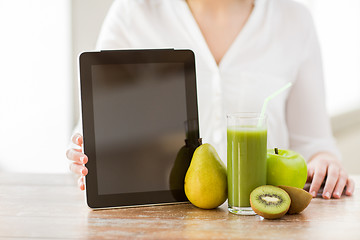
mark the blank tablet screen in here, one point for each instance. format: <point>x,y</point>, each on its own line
<point>146,104</point>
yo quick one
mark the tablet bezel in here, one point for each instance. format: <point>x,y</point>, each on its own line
<point>86,60</point>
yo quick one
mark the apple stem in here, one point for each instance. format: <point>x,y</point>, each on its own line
<point>276,150</point>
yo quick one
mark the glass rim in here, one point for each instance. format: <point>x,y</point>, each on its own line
<point>245,115</point>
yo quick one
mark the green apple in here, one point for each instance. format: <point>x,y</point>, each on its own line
<point>286,167</point>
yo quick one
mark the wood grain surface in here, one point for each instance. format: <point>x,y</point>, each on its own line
<point>40,206</point>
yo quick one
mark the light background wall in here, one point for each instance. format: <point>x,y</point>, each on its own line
<point>338,28</point>
<point>35,113</point>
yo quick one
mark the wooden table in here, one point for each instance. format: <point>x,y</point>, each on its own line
<point>39,206</point>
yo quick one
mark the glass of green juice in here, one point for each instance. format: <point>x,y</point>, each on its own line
<point>246,159</point>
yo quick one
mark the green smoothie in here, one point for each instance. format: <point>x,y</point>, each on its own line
<point>246,163</point>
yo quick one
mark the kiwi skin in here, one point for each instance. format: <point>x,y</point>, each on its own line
<point>271,215</point>
<point>300,199</point>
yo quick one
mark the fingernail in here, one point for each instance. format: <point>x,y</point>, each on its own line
<point>82,159</point>
<point>327,195</point>
<point>313,193</point>
<point>337,194</point>
<point>77,139</point>
<point>82,171</point>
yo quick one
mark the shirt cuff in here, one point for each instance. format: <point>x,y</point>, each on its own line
<point>309,146</point>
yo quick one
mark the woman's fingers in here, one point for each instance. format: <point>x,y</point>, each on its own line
<point>77,139</point>
<point>326,166</point>
<point>319,175</point>
<point>77,156</point>
<point>78,169</point>
<point>81,183</point>
<point>350,186</point>
<point>340,185</point>
<point>79,159</point>
<point>310,174</point>
<point>331,180</point>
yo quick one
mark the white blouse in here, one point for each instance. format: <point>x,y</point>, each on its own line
<point>277,45</point>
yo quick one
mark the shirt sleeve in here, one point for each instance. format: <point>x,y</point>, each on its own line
<point>114,31</point>
<point>307,119</point>
<point>113,35</point>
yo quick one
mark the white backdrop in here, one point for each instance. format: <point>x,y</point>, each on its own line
<point>338,26</point>
<point>34,85</point>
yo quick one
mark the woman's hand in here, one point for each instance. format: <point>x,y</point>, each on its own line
<point>326,166</point>
<point>78,159</point>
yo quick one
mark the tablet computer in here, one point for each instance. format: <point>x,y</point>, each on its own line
<point>140,125</point>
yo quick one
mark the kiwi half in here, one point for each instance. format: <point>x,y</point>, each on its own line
<point>269,201</point>
<point>300,199</point>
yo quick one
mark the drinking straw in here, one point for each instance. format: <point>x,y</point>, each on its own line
<point>262,114</point>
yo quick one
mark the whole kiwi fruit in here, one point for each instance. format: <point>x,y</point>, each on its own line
<point>300,199</point>
<point>269,201</point>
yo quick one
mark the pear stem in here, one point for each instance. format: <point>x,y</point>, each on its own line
<point>276,150</point>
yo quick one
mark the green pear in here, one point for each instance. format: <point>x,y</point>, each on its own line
<point>206,181</point>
